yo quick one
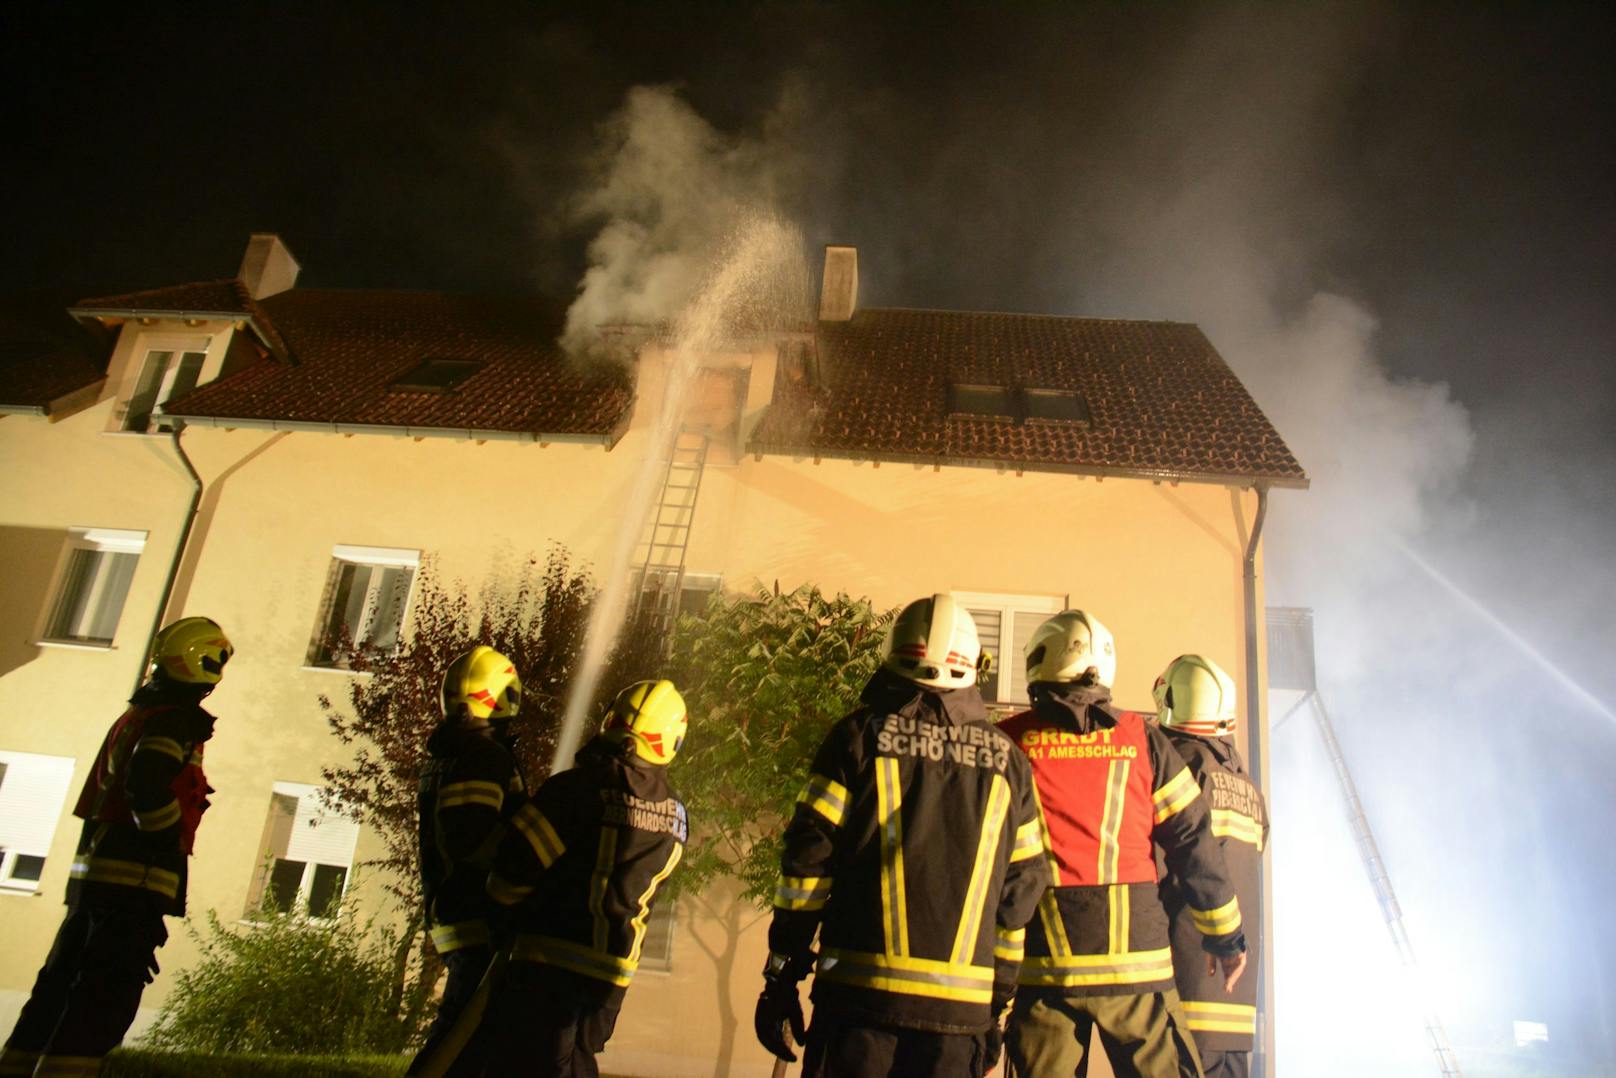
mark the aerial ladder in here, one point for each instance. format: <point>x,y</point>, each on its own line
<point>667,536</point>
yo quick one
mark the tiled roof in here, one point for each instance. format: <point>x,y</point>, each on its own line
<point>226,298</point>
<point>1162,402</point>
<point>45,356</point>
<point>350,345</point>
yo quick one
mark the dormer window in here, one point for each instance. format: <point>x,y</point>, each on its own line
<point>167,374</point>
<point>435,376</point>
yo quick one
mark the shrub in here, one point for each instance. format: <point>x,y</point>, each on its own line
<point>292,984</point>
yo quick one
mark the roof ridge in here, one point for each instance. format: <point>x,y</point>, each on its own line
<point>1032,314</point>
<point>232,280</point>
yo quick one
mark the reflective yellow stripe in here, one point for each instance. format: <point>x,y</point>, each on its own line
<point>1218,922</point>
<point>165,745</point>
<point>640,918</point>
<point>1116,801</point>
<point>1072,971</point>
<point>802,892</point>
<point>1049,843</point>
<point>825,796</point>
<point>894,912</point>
<point>1177,792</point>
<point>906,975</point>
<point>1227,823</point>
<point>1029,841</point>
<point>1010,945</point>
<point>547,845</point>
<point>565,954</point>
<point>1220,1017</point>
<point>1054,927</point>
<point>605,858</point>
<point>987,849</point>
<point>504,891</point>
<point>446,938</point>
<point>471,792</point>
<point>127,874</point>
<point>1119,909</point>
<point>158,818</point>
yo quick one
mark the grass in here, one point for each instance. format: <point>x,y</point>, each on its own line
<point>145,1063</point>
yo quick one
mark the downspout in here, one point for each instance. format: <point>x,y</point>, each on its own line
<point>1258,745</point>
<point>179,553</point>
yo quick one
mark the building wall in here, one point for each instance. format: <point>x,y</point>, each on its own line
<point>1159,564</point>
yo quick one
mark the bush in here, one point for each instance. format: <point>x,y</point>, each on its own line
<point>140,1063</point>
<point>293,984</point>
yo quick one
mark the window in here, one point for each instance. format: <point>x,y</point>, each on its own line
<point>366,597</point>
<point>304,856</point>
<point>981,400</point>
<point>656,951</point>
<point>166,374</point>
<point>1004,624</point>
<point>92,585</point>
<point>33,789</point>
<point>435,376</point>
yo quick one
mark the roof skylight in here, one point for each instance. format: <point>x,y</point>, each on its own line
<point>435,376</point>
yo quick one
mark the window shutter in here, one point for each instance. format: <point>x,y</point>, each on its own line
<point>319,835</point>
<point>31,800</point>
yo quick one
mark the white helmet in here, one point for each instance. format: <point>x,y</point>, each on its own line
<point>1195,695</point>
<point>1069,645</point>
<point>933,642</point>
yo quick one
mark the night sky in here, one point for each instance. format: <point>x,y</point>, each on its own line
<point>1397,222</point>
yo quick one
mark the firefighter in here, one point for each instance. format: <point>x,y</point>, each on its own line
<point>578,871</point>
<point>141,802</point>
<point>915,853</point>
<point>1195,704</point>
<point>1109,784</point>
<point>470,788</point>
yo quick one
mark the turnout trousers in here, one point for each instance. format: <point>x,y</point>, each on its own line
<point>1225,1064</point>
<point>548,1023</point>
<point>466,968</point>
<point>87,992</point>
<point>838,1048</point>
<point>1142,1034</point>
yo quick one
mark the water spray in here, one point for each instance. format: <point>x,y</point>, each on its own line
<point>750,283</point>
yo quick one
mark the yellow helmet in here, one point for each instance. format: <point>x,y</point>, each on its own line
<point>933,642</point>
<point>1068,646</point>
<point>482,685</point>
<point>193,650</point>
<point>1195,695</point>
<point>651,715</point>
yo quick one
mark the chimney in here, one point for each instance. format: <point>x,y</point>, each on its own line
<point>838,295</point>
<point>268,267</point>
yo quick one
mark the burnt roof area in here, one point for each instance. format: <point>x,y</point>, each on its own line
<point>45,355</point>
<point>1035,392</point>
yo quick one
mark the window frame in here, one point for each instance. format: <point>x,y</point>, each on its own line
<point>175,345</point>
<point>663,910</point>
<point>56,772</point>
<point>269,859</point>
<point>1007,604</point>
<point>100,541</point>
<point>324,654</point>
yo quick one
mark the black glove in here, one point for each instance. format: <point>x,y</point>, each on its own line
<point>992,1048</point>
<point>778,1021</point>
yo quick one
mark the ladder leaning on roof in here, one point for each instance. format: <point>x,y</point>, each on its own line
<point>662,569</point>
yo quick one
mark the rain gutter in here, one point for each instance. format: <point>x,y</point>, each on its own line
<point>315,426</point>
<point>179,554</point>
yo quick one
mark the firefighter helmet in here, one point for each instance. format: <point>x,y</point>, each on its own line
<point>650,718</point>
<point>191,650</point>
<point>1194,695</point>
<point>933,642</point>
<point>482,685</point>
<point>1068,646</point>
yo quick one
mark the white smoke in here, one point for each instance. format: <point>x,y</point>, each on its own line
<point>668,191</point>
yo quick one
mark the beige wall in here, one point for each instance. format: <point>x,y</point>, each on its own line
<point>1161,565</point>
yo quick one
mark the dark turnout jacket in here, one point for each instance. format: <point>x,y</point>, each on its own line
<point>582,861</point>
<point>1220,1020</point>
<point>471,786</point>
<point>1109,785</point>
<point>141,803</point>
<point>914,851</point>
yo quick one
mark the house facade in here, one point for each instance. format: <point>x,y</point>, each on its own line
<point>284,459</point>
